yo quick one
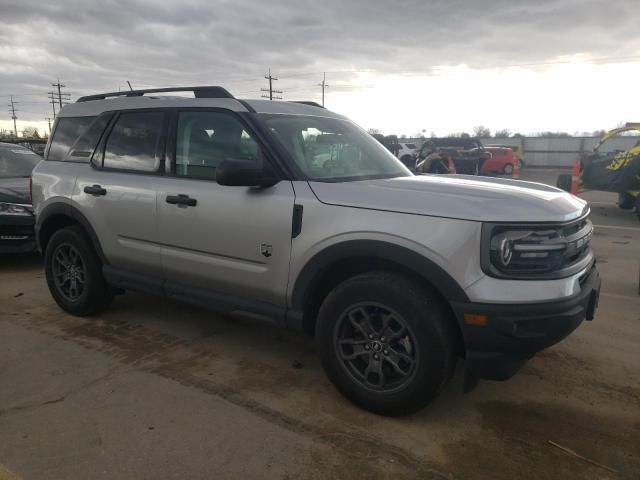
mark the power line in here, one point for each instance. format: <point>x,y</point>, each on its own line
<point>12,111</point>
<point>52,101</point>
<point>324,85</point>
<point>270,89</point>
<point>60,95</point>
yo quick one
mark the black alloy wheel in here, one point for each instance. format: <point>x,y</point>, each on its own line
<point>68,271</point>
<point>376,346</point>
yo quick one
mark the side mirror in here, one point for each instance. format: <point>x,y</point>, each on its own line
<point>245,173</point>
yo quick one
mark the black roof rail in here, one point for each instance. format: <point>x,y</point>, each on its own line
<point>198,92</point>
<point>305,102</point>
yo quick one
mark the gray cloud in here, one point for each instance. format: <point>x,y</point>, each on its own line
<point>97,47</point>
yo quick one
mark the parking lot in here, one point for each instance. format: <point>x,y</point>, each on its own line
<point>157,389</point>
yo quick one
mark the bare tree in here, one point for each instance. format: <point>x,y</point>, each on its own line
<point>481,131</point>
<point>504,133</point>
<point>28,132</point>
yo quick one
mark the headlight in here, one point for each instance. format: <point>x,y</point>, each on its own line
<point>14,209</point>
<point>536,252</point>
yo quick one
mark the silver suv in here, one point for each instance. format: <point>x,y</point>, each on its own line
<point>292,213</point>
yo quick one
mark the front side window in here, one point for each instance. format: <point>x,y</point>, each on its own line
<point>134,142</point>
<point>65,133</point>
<point>333,150</point>
<point>205,139</point>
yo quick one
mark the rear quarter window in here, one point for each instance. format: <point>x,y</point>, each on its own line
<point>67,130</point>
<point>84,147</point>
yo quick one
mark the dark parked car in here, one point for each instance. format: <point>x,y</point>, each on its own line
<point>16,214</point>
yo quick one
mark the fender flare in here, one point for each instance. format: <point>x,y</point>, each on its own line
<point>409,259</point>
<point>66,210</point>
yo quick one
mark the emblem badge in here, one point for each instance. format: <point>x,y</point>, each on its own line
<point>266,250</point>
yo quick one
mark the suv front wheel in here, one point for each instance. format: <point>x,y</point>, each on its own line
<point>74,273</point>
<point>385,342</point>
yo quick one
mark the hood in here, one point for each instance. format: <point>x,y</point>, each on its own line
<point>456,196</point>
<point>15,190</point>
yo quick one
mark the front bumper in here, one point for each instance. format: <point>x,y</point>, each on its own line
<point>504,336</point>
<point>17,234</point>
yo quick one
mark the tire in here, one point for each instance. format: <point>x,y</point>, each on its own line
<point>71,260</point>
<point>418,338</point>
<point>408,162</point>
<point>508,169</point>
<point>626,201</point>
<point>564,182</point>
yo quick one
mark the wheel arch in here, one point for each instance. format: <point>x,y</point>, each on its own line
<point>59,215</point>
<point>338,262</point>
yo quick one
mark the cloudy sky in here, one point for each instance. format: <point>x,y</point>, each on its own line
<point>402,67</point>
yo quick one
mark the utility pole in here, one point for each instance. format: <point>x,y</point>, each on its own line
<point>12,111</point>
<point>324,85</point>
<point>52,101</point>
<point>270,89</point>
<point>61,96</point>
<point>48,119</point>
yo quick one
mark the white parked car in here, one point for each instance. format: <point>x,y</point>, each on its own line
<point>407,154</point>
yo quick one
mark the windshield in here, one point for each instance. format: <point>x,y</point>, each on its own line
<point>17,161</point>
<point>332,150</point>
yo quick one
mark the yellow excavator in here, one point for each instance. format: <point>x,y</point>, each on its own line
<point>617,171</point>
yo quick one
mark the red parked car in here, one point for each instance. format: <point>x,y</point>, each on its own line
<point>502,160</point>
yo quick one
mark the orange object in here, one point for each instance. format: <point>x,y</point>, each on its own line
<point>452,166</point>
<point>575,176</point>
<point>474,319</point>
<point>516,169</point>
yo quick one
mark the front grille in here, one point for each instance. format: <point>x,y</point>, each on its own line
<point>578,237</point>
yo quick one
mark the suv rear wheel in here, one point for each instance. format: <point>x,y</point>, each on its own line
<point>626,201</point>
<point>385,342</point>
<point>74,273</point>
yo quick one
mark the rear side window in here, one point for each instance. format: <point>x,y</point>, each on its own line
<point>66,132</point>
<point>134,142</point>
<point>85,145</point>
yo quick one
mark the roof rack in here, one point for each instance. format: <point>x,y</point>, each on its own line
<point>306,102</point>
<point>198,92</point>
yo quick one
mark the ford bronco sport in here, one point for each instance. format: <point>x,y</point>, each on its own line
<point>292,213</point>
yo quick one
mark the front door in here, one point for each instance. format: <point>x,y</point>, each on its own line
<point>229,241</point>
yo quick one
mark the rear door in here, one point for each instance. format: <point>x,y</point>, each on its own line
<point>229,241</point>
<point>117,192</point>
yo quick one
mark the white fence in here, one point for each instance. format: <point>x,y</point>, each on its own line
<point>558,152</point>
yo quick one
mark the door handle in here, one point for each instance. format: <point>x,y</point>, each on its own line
<point>95,190</point>
<point>181,199</point>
